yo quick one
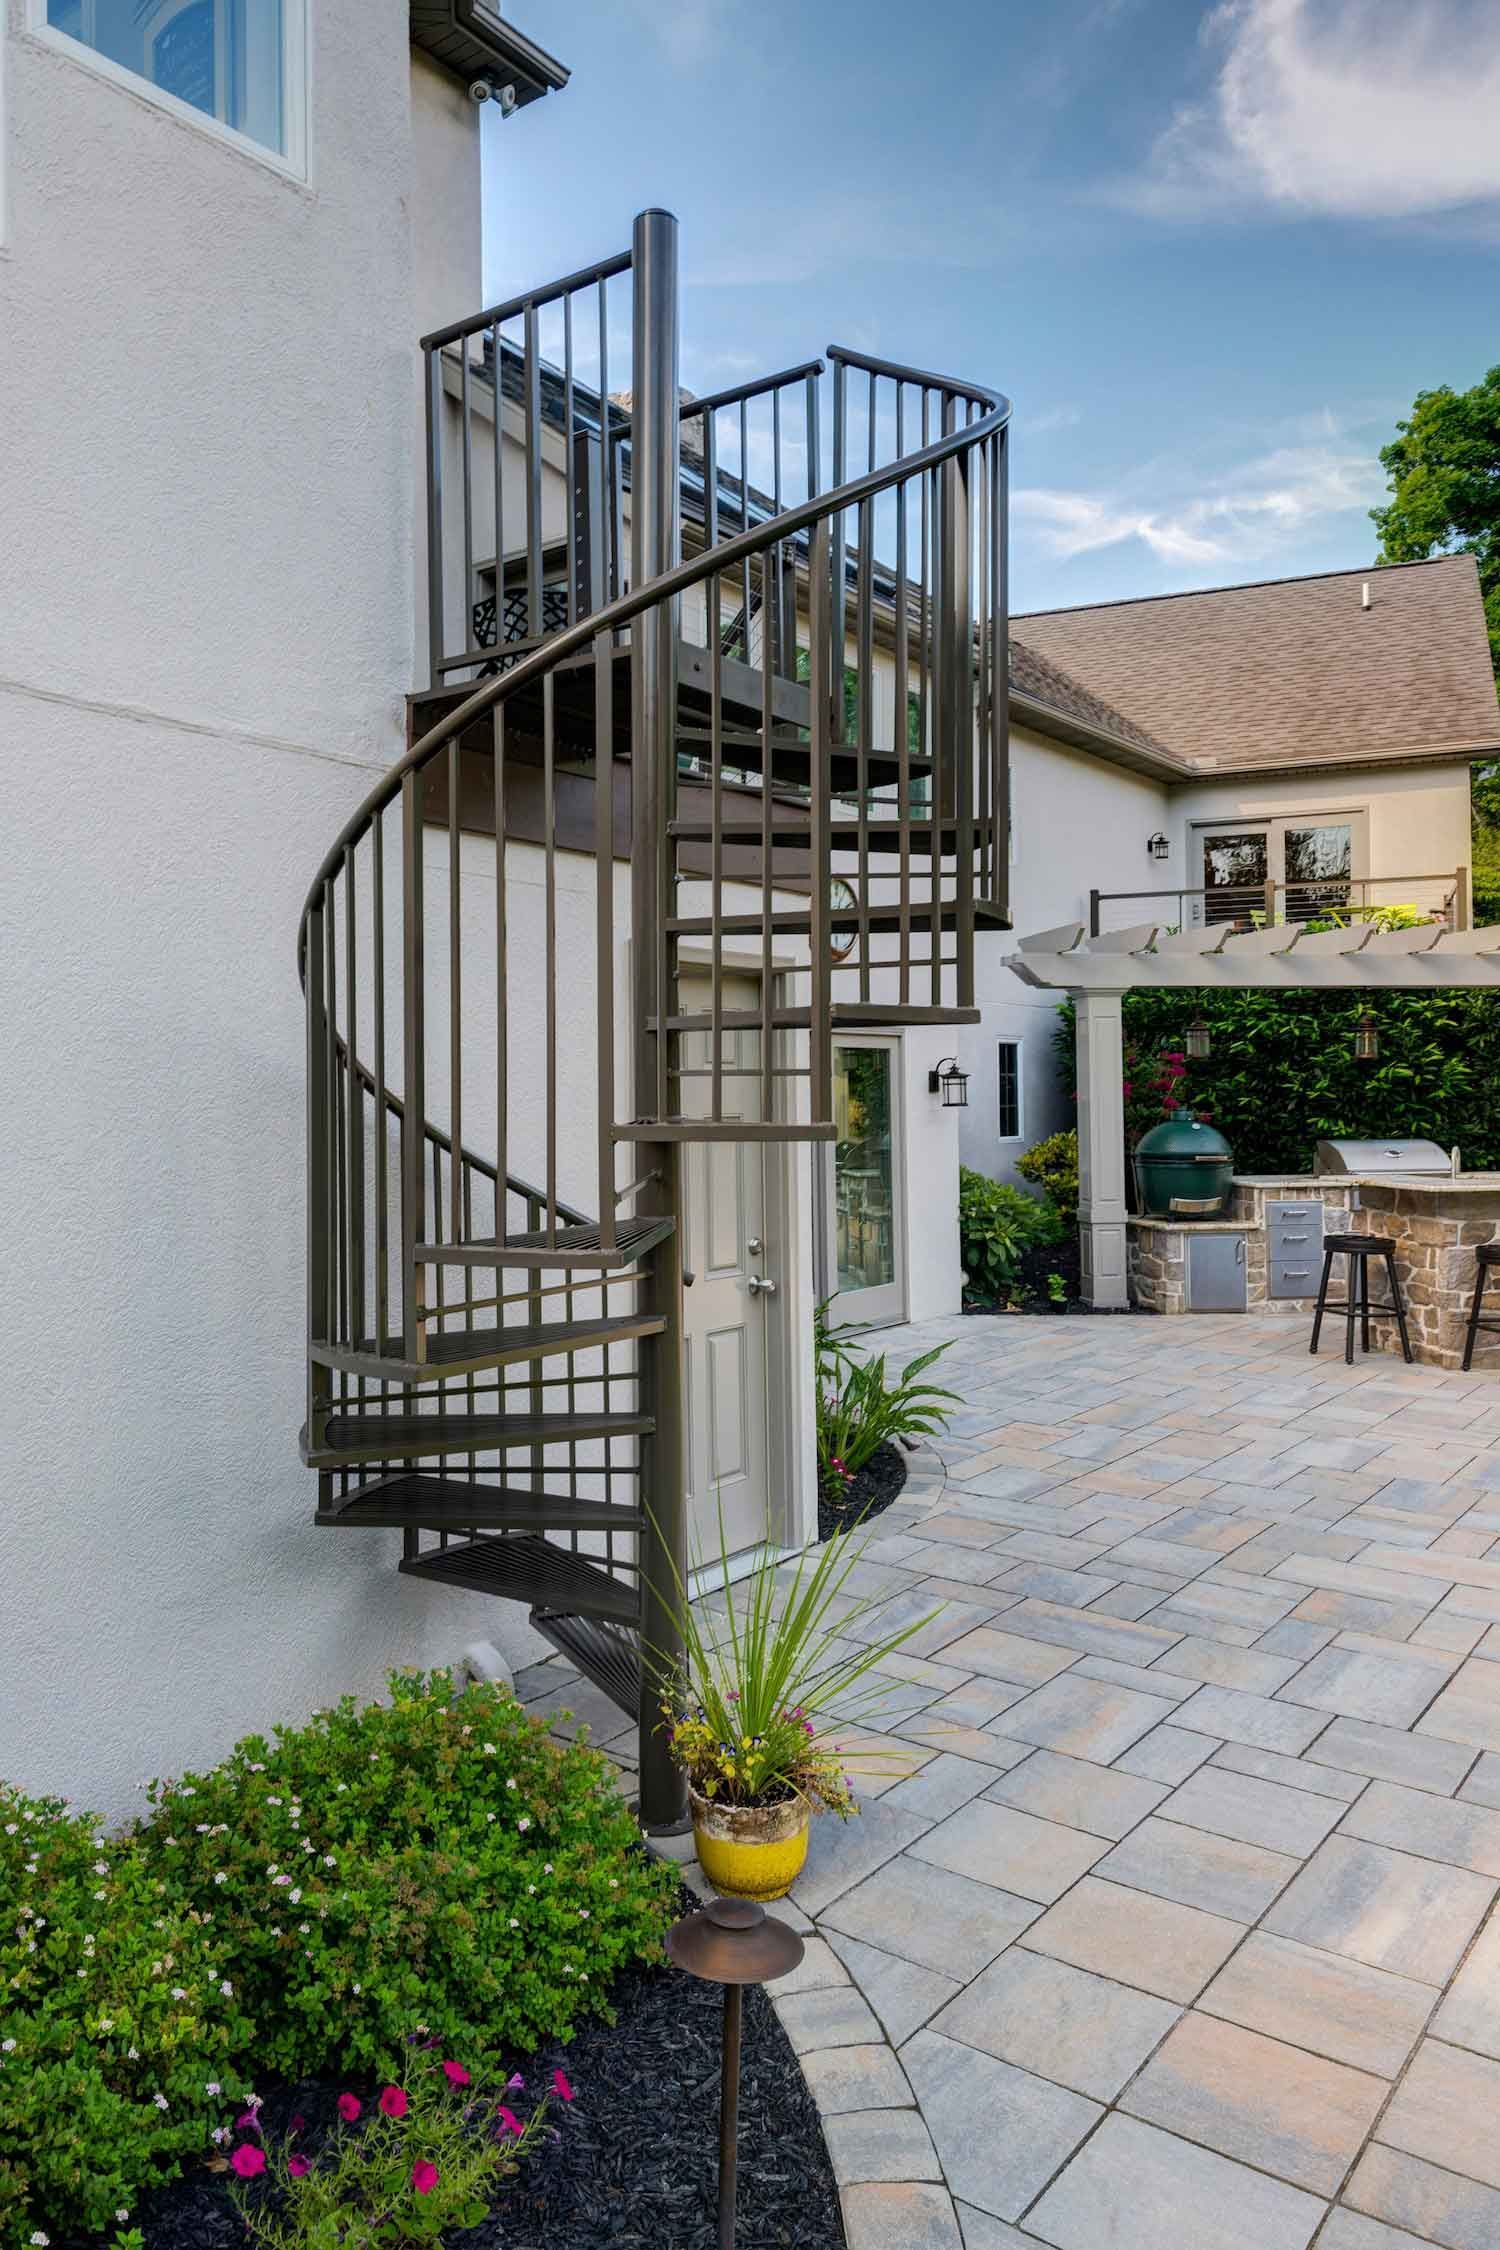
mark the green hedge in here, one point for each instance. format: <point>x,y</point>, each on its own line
<point>1282,1075</point>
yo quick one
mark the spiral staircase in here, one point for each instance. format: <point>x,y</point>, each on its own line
<point>762,717</point>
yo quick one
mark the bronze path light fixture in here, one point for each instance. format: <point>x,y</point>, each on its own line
<point>733,1942</point>
<point>1366,1039</point>
<point>1198,1045</point>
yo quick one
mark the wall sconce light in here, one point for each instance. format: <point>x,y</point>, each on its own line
<point>951,1082</point>
<point>1157,846</point>
<point>1198,1045</point>
<point>1366,1039</point>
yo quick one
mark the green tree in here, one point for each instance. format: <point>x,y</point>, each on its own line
<point>1444,471</point>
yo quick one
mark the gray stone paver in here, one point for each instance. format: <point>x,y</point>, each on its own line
<point>1182,1931</point>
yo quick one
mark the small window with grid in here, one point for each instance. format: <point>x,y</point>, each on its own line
<point>1008,1106</point>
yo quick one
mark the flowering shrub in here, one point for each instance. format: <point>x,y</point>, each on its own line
<point>429,2156</point>
<point>438,1863</point>
<point>119,2021</point>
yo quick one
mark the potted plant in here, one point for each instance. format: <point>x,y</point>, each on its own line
<point>769,1681</point>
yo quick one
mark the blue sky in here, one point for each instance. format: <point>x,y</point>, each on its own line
<point>1210,252</point>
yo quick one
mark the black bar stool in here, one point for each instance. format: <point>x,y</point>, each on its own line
<point>1486,1256</point>
<point>1359,1249</point>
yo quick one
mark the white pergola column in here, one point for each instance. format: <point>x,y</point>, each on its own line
<point>1101,1147</point>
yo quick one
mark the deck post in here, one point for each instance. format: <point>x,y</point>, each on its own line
<point>654,546</point>
<point>1101,1148</point>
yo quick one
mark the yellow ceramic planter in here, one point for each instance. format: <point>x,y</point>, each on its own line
<point>750,1851</point>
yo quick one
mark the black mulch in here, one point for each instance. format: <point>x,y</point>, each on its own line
<point>871,1493</point>
<point>636,2159</point>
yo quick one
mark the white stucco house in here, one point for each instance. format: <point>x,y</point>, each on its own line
<point>1171,757</point>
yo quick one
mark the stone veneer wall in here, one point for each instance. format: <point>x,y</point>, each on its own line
<point>1248,1202</point>
<point>1156,1261</point>
<point>1436,1267</point>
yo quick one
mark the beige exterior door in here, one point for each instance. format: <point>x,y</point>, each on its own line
<point>724,1191</point>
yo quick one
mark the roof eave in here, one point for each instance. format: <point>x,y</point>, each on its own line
<point>1081,735</point>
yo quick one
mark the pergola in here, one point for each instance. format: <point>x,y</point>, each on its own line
<point>1282,957</point>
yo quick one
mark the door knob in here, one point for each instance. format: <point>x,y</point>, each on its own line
<point>759,1288</point>
<point>754,1245</point>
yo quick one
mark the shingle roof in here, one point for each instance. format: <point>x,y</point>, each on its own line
<point>1294,671</point>
<point>1034,676</point>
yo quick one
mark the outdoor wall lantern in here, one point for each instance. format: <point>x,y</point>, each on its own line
<point>1366,1039</point>
<point>951,1082</point>
<point>1157,846</point>
<point>1198,1045</point>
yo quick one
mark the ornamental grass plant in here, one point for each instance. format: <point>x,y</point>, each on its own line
<point>775,1672</point>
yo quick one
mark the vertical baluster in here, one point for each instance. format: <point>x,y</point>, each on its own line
<point>382,1120</point>
<point>414,1090</point>
<point>440,1289</point>
<point>716,871</point>
<point>767,853</point>
<point>532,379</point>
<point>840,541</point>
<point>466,452</point>
<point>864,700</point>
<point>319,1036</point>
<point>1000,637</point>
<point>336,1061</point>
<point>502,1005</point>
<point>957,699</point>
<point>820,1043</point>
<point>355,1166</point>
<point>433,392</point>
<point>549,840</point>
<point>604,932</point>
<point>571,466</point>
<point>979,483</point>
<point>455,982</point>
<point>606,452</point>
<point>903,728</point>
<point>775,560</point>
<point>498,467</point>
<point>745,526</point>
<point>536,1397</point>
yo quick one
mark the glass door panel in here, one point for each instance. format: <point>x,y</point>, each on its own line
<point>1236,862</point>
<point>1319,864</point>
<point>866,1227</point>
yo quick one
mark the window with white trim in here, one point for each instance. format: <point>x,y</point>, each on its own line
<point>1008,1091</point>
<point>238,62</point>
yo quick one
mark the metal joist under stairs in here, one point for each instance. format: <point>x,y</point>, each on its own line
<point>714,687</point>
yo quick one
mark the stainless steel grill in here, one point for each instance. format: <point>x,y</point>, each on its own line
<point>1411,1159</point>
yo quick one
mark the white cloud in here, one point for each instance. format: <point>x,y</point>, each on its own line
<point>1345,108</point>
<point>1242,515</point>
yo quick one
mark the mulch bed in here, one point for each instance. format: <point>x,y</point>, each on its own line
<point>635,2164</point>
<point>1030,1293</point>
<point>873,1490</point>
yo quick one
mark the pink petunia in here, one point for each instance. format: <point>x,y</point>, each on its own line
<point>249,2123</point>
<point>456,2075</point>
<point>509,2122</point>
<point>393,2102</point>
<point>248,2162</point>
<point>299,2166</point>
<point>348,2108</point>
<point>560,2086</point>
<point>424,2176</point>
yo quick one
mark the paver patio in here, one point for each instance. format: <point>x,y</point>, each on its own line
<point>1167,1925</point>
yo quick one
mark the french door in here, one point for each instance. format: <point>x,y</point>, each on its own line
<point>1315,861</point>
<point>866,1253</point>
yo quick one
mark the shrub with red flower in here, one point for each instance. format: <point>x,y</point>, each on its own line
<point>427,2157</point>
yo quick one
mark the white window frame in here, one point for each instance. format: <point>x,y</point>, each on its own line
<point>296,88</point>
<point>1018,1048</point>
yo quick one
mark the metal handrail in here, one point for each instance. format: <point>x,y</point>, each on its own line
<point>713,562</point>
<point>843,354</point>
<point>514,1185</point>
<point>531,300</point>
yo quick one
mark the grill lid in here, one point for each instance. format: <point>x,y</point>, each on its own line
<point>1420,1159</point>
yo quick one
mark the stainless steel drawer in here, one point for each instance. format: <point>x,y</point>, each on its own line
<point>1294,1247</point>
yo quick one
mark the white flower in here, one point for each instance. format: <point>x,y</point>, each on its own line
<point>220,2133</point>
<point>273,1800</point>
<point>178,1993</point>
<point>256,1766</point>
<point>304,1929</point>
<point>546,1867</point>
<point>356,1988</point>
<point>161,2101</point>
<point>227,1989</point>
<point>122,2215</point>
<point>8,2047</point>
<point>41,2239</point>
<point>296,1898</point>
<point>132,2054</point>
<point>98,1894</point>
<point>583,1913</point>
<point>522,1825</point>
<point>489,1749</point>
<point>106,2023</point>
<point>221,1877</point>
<point>515,1925</point>
<point>101,1867</point>
<point>511,1783</point>
<point>213,2087</point>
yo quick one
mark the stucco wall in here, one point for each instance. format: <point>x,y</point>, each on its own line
<point>206,539</point>
<point>1078,824</point>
